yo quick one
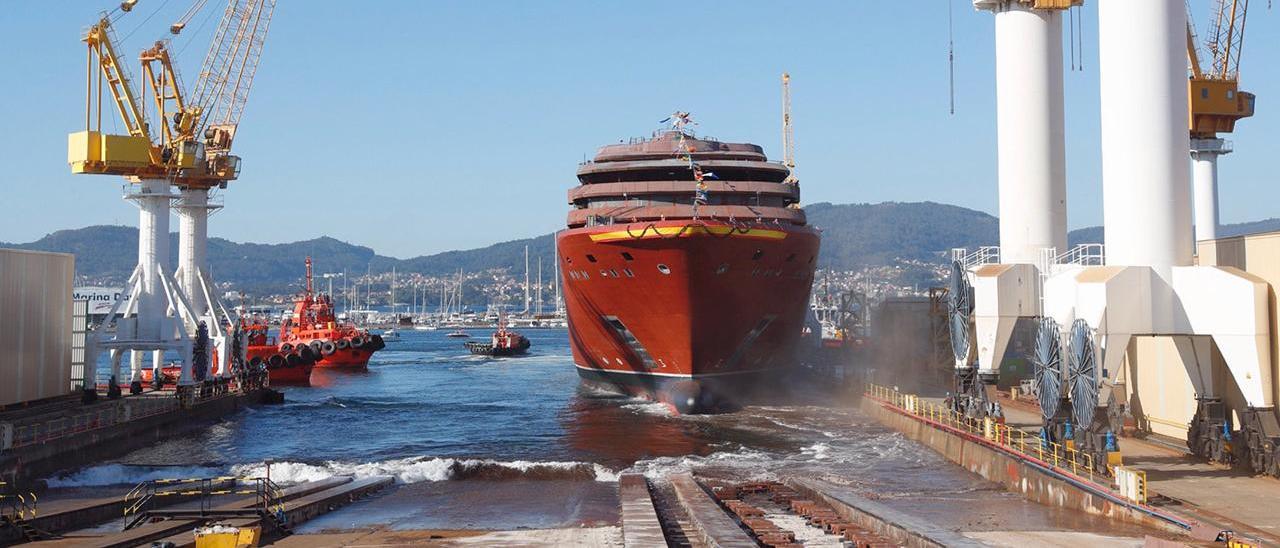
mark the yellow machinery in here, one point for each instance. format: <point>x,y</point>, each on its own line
<point>1216,101</point>
<point>225,536</point>
<point>195,130</point>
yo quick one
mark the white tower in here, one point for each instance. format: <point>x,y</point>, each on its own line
<point>1204,184</point>
<point>152,319</point>
<point>193,276</point>
<point>1145,177</point>
<point>1148,287</point>
<point>1031,151</point>
<point>1031,167</point>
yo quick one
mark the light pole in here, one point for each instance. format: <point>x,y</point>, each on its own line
<point>330,276</point>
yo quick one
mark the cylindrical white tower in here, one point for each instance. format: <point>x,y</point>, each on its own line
<point>1204,184</point>
<point>153,255</point>
<point>1143,79</point>
<point>1032,167</point>
<point>193,237</point>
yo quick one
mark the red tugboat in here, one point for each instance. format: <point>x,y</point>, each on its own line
<point>687,266</point>
<point>503,342</point>
<point>292,367</point>
<point>338,345</point>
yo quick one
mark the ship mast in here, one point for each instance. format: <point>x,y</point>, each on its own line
<point>525,312</point>
<point>788,136</point>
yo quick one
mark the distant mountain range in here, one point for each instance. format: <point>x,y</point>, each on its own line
<point>854,236</point>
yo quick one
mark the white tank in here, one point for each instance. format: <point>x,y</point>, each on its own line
<point>1145,172</point>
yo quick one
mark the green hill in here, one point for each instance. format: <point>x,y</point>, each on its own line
<point>854,236</point>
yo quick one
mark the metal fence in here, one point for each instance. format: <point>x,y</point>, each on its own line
<point>15,506</point>
<point>1052,454</point>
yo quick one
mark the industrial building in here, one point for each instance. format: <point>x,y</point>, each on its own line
<point>35,325</point>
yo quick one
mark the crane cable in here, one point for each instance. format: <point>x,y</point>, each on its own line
<point>1075,22</point>
<point>144,21</point>
<point>192,36</point>
<point>951,58</point>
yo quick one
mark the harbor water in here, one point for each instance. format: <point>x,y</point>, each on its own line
<point>501,443</point>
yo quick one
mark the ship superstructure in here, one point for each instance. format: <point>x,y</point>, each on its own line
<point>687,266</point>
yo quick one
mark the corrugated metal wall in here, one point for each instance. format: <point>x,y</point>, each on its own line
<point>35,325</point>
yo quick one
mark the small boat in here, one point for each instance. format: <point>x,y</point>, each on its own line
<point>458,334</point>
<point>390,335</point>
<point>503,342</point>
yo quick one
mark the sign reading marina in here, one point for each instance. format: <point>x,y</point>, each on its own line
<point>101,299</point>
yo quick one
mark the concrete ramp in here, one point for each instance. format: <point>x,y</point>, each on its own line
<point>640,525</point>
<point>868,514</point>
<point>713,526</point>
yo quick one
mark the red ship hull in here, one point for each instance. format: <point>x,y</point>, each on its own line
<point>351,358</point>
<point>697,314</point>
<point>291,375</point>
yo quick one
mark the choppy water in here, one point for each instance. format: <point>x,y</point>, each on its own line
<point>482,442</point>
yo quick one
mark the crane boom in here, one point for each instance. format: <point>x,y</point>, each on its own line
<point>166,92</point>
<point>227,74</point>
<point>91,151</point>
<point>196,129</point>
<point>102,51</point>
<point>1228,37</point>
<point>1216,102</point>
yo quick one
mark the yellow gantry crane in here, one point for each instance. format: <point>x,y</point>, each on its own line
<point>196,129</point>
<point>1216,101</point>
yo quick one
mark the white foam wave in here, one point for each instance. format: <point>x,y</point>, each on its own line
<point>124,474</point>
<point>752,464</point>
<point>421,469</point>
<point>656,409</point>
<point>405,470</point>
<point>817,451</point>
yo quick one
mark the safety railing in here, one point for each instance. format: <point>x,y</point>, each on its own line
<point>1063,458</point>
<point>987,254</point>
<point>15,507</point>
<point>124,410</point>
<point>269,497</point>
<point>1083,255</point>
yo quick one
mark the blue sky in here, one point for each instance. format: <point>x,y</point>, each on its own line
<point>421,126</point>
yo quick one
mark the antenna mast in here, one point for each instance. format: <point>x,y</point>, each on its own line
<point>788,138</point>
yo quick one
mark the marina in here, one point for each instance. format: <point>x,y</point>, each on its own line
<point>694,356</point>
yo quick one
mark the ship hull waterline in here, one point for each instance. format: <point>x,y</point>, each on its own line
<point>702,315</point>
